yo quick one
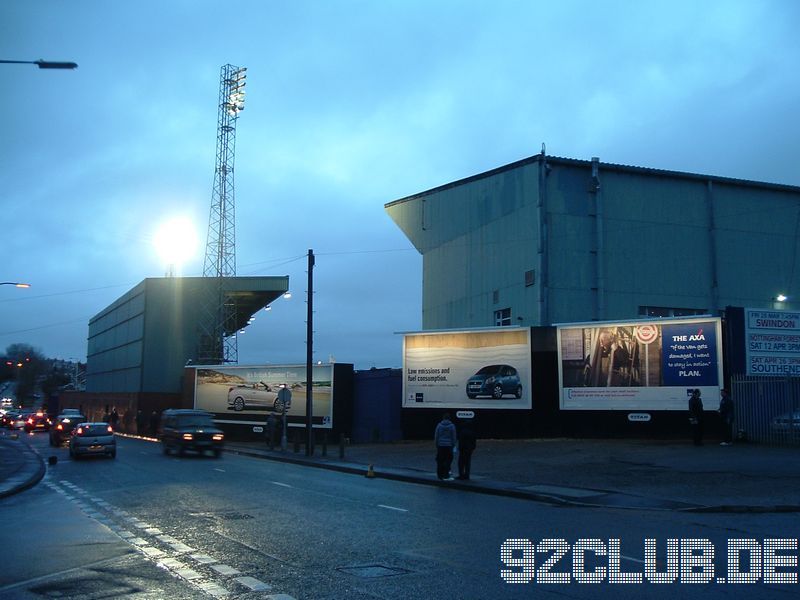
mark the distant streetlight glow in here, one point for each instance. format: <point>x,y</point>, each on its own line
<point>176,242</point>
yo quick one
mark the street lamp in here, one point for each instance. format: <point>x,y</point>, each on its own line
<point>16,284</point>
<point>43,64</point>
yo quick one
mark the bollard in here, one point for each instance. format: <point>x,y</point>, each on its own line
<point>341,446</point>
<point>324,444</point>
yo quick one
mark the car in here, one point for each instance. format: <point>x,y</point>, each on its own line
<point>38,421</point>
<point>495,381</point>
<point>92,439</point>
<point>254,395</point>
<point>63,426</point>
<point>185,429</point>
<point>16,420</point>
<point>787,423</point>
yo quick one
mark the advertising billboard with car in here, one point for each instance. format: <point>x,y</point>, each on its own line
<point>247,395</point>
<point>486,368</point>
<point>640,365</point>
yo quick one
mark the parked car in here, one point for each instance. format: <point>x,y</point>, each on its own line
<point>38,421</point>
<point>89,439</point>
<point>187,429</point>
<point>495,381</point>
<point>63,426</point>
<point>254,395</point>
<point>788,423</point>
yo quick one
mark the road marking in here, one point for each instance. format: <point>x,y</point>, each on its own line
<point>203,559</point>
<point>281,484</point>
<point>392,508</point>
<point>152,552</point>
<point>220,470</point>
<point>253,584</point>
<point>226,570</point>
<point>189,574</point>
<point>182,548</point>
<point>213,589</point>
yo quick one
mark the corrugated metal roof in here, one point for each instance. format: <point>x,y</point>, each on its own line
<point>606,167</point>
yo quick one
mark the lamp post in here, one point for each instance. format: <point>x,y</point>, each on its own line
<point>16,284</point>
<point>43,64</point>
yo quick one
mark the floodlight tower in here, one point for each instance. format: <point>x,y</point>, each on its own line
<point>217,343</point>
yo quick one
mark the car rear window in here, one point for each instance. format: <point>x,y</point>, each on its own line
<point>195,421</point>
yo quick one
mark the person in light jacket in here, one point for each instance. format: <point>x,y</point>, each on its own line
<point>445,439</point>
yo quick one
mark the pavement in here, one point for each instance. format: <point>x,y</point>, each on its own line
<point>627,474</point>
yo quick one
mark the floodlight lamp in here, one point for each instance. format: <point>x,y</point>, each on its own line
<point>287,295</point>
<point>781,298</point>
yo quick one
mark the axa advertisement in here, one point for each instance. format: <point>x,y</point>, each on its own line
<point>467,369</point>
<point>247,395</point>
<point>643,365</point>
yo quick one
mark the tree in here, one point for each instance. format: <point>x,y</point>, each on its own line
<point>26,365</point>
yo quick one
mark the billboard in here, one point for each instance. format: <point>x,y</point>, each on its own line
<point>468,369</point>
<point>247,395</point>
<point>640,365</point>
<point>773,342</point>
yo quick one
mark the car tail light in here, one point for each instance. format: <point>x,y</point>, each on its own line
<point>60,427</point>
<point>110,429</point>
<point>80,431</point>
<point>217,437</point>
<point>188,436</point>
<point>30,421</point>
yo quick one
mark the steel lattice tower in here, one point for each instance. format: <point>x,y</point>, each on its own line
<point>217,342</point>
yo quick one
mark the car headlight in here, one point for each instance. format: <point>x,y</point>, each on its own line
<point>217,437</point>
<point>188,436</point>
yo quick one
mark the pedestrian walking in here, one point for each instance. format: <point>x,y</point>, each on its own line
<point>466,446</point>
<point>696,417</point>
<point>726,414</point>
<point>445,438</point>
<point>141,422</point>
<point>114,418</point>
<point>154,424</point>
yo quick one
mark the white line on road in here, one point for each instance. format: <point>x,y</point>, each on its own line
<point>281,484</point>
<point>392,508</point>
<point>220,470</point>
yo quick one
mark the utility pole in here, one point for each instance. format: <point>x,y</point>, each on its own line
<point>310,357</point>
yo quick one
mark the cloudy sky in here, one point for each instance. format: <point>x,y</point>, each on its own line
<point>350,104</point>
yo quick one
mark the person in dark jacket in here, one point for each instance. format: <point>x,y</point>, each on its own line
<point>445,439</point>
<point>696,417</point>
<point>141,422</point>
<point>466,446</point>
<point>154,419</point>
<point>726,416</point>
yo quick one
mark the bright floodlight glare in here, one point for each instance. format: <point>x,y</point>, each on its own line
<point>176,241</point>
<point>781,298</point>
<point>287,295</point>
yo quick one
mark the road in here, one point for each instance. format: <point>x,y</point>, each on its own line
<point>150,526</point>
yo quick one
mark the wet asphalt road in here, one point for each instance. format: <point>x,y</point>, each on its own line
<point>150,526</point>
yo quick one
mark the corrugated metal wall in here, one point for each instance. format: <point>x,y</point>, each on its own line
<point>767,409</point>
